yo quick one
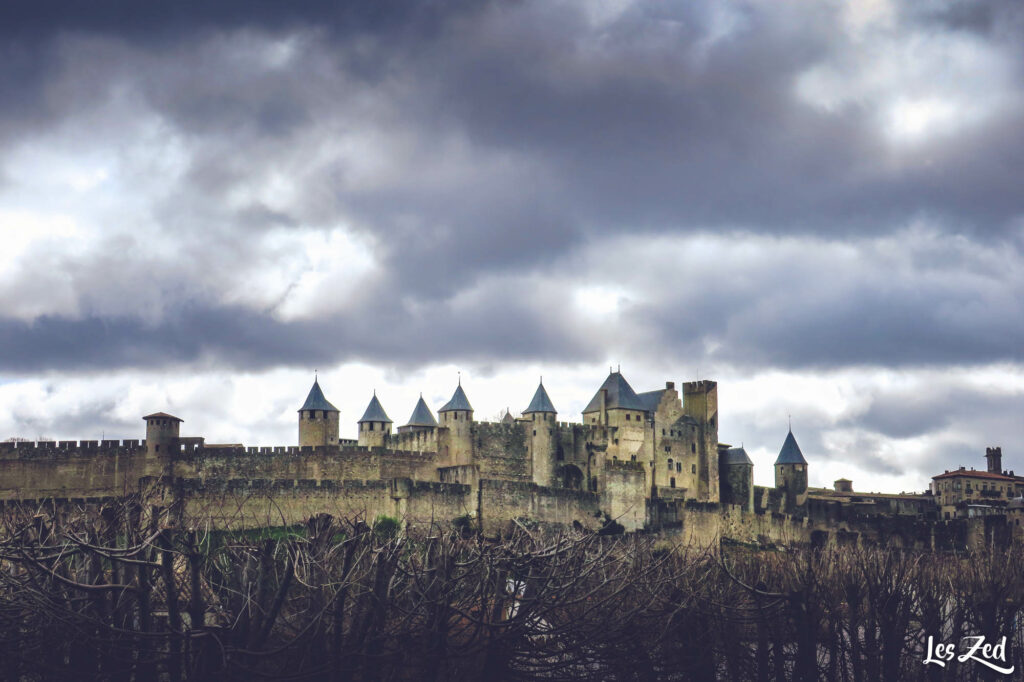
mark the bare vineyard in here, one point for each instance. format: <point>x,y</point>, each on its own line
<point>130,592</point>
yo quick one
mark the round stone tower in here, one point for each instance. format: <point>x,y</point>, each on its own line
<point>162,431</point>
<point>791,473</point>
<point>457,417</point>
<point>375,426</point>
<point>541,436</point>
<point>318,419</point>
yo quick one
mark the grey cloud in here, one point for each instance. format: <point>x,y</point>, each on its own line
<point>377,331</point>
<point>527,132</point>
<point>821,309</point>
<point>88,420</point>
<point>910,413</point>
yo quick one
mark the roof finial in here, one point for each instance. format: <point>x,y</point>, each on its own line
<point>460,377</point>
<point>790,417</point>
<point>610,370</point>
<point>619,368</point>
<point>541,379</point>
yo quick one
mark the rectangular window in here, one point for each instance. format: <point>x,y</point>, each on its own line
<point>693,468</point>
<point>627,417</point>
<point>693,447</point>
<point>672,482</point>
<point>632,458</point>
<point>679,467</point>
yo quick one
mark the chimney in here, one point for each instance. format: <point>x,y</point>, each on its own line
<point>670,385</point>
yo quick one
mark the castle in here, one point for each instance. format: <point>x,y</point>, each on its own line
<point>644,461</point>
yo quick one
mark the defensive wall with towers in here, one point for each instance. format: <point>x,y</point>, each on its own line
<point>648,461</point>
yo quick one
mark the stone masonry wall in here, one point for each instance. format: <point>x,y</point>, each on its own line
<point>73,468</point>
<point>624,497</point>
<point>501,501</point>
<point>499,451</point>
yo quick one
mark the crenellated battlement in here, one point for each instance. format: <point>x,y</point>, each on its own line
<point>68,448</point>
<point>420,440</point>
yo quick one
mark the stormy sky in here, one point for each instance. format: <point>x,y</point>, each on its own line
<point>820,205</point>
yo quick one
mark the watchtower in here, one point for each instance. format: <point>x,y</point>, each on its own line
<point>162,432</point>
<point>457,417</point>
<point>791,473</point>
<point>700,402</point>
<point>318,419</point>
<point>995,459</point>
<point>375,425</point>
<point>540,438</point>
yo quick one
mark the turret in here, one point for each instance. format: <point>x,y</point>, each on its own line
<point>457,417</point>
<point>162,431</point>
<point>421,419</point>
<point>541,437</point>
<point>375,426</point>
<point>736,470</point>
<point>318,419</point>
<point>791,473</point>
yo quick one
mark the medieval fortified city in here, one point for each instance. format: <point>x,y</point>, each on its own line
<point>648,461</point>
<point>557,340</point>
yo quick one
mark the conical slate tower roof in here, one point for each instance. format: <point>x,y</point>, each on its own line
<point>316,400</point>
<point>508,418</point>
<point>541,402</point>
<point>421,415</point>
<point>790,452</point>
<point>458,401</point>
<point>737,456</point>
<point>374,412</point>
<point>620,394</point>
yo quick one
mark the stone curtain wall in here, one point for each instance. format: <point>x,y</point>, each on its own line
<point>73,468</point>
<point>625,495</point>
<point>500,451</point>
<point>501,501</point>
<point>295,463</point>
<point>250,503</point>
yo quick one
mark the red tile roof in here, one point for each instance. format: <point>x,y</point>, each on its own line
<point>974,474</point>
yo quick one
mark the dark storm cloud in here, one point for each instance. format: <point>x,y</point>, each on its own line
<point>239,337</point>
<point>512,136</point>
<point>934,302</point>
<point>147,20</point>
<point>638,126</point>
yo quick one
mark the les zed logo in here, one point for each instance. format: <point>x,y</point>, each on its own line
<point>977,650</point>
